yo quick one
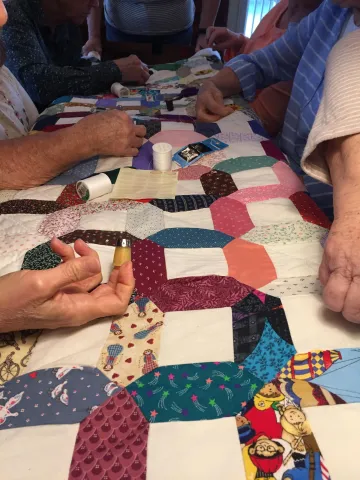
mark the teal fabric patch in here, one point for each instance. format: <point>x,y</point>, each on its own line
<point>269,355</point>
<point>40,258</point>
<point>233,165</point>
<point>194,392</point>
<point>191,238</point>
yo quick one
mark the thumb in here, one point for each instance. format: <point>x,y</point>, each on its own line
<point>125,281</point>
<point>72,271</point>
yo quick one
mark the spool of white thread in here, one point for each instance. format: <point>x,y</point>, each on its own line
<point>94,187</point>
<point>162,156</point>
<point>119,90</point>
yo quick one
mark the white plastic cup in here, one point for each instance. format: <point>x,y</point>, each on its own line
<point>162,156</point>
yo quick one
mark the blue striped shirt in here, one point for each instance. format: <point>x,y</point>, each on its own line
<point>299,55</point>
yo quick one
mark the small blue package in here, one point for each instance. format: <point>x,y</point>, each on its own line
<point>190,154</point>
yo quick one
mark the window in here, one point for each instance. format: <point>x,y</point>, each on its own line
<point>256,10</point>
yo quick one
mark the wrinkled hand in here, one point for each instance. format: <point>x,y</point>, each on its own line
<point>340,268</point>
<point>112,133</point>
<point>133,70</point>
<point>66,296</point>
<point>210,104</point>
<point>221,38</point>
<point>92,45</point>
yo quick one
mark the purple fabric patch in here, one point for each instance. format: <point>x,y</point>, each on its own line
<point>107,102</point>
<point>175,118</point>
<point>144,159</point>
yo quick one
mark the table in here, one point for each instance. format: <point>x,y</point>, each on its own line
<point>225,345</point>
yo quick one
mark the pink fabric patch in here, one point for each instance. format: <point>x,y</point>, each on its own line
<point>177,138</point>
<point>149,266</point>
<point>272,150</point>
<point>212,159</point>
<point>199,293</point>
<point>309,211</point>
<point>231,217</point>
<point>287,177</point>
<point>259,194</point>
<point>112,442</point>
<point>192,173</point>
<point>249,263</point>
<point>68,219</point>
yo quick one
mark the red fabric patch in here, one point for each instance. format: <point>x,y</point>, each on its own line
<point>69,197</point>
<point>272,150</point>
<point>309,211</point>
<point>111,442</point>
<point>199,293</point>
<point>149,266</point>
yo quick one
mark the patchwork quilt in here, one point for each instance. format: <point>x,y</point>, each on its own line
<point>225,344</point>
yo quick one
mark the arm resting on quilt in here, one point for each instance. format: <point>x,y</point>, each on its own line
<point>33,160</point>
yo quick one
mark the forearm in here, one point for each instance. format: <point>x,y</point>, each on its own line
<point>87,80</point>
<point>343,158</point>
<point>94,21</point>
<point>209,12</point>
<point>227,82</point>
<point>33,160</point>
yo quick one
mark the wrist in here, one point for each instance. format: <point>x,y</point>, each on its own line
<point>84,138</point>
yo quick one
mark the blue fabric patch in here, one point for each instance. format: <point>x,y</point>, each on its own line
<point>184,203</point>
<point>64,99</point>
<point>149,104</point>
<point>62,395</point>
<point>340,374</point>
<point>190,238</point>
<point>269,355</point>
<point>82,170</point>
<point>259,129</point>
<point>207,129</point>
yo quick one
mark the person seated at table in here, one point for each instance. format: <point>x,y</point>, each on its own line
<point>69,295</point>
<point>332,155</point>
<point>299,55</point>
<point>43,42</point>
<point>28,161</point>
<point>149,21</point>
<point>270,103</point>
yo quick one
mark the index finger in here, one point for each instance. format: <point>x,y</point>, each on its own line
<point>140,130</point>
<point>212,38</point>
<point>209,31</point>
<point>214,106</point>
<point>335,291</point>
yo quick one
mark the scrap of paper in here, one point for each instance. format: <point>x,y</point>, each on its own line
<point>137,184</point>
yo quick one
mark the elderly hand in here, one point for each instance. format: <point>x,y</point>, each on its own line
<point>221,38</point>
<point>210,104</point>
<point>66,296</point>
<point>92,45</point>
<point>133,70</point>
<point>111,133</point>
<point>340,267</point>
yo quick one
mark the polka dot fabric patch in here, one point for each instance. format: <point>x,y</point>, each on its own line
<point>192,173</point>
<point>98,237</point>
<point>218,183</point>
<point>191,238</point>
<point>183,203</point>
<point>149,266</point>
<point>230,217</point>
<point>144,220</point>
<point>29,206</point>
<point>309,210</point>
